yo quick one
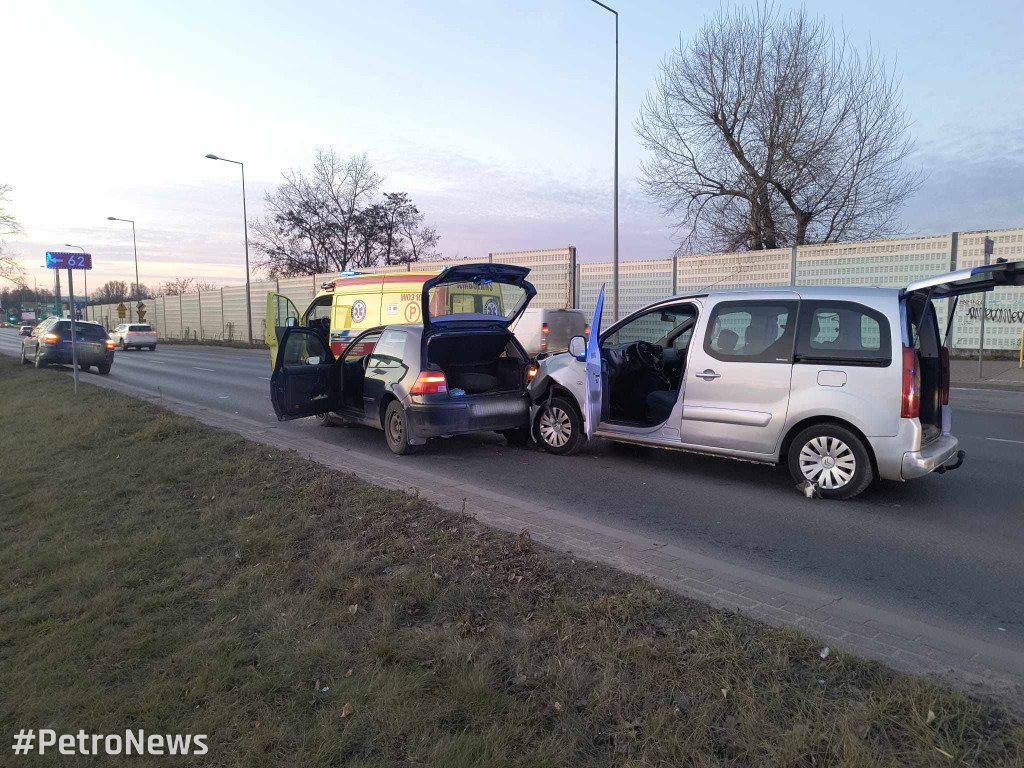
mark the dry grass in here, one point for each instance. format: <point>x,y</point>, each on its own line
<point>217,586</point>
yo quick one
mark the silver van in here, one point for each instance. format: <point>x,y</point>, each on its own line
<point>544,330</point>
<point>842,384</point>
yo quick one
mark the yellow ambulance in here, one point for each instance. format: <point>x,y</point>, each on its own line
<point>352,303</point>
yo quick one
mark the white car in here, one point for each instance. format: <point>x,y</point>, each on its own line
<point>841,384</point>
<point>136,335</point>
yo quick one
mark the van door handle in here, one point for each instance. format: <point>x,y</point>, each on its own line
<point>708,375</point>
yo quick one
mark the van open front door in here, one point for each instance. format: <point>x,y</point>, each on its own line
<point>281,315</point>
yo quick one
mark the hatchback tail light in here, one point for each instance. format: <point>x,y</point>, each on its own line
<point>910,404</point>
<point>429,383</point>
<point>944,389</point>
<point>51,338</point>
<point>586,331</point>
<point>110,343</point>
<point>544,331</point>
<point>531,373</point>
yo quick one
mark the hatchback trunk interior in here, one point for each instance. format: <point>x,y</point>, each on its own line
<point>478,363</point>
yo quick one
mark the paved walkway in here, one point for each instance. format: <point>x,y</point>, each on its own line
<point>996,374</point>
<point>962,661</point>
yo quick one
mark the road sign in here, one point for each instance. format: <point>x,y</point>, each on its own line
<point>60,260</point>
<point>142,315</point>
<point>122,310</point>
<point>140,306</point>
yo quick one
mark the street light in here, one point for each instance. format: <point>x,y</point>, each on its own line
<point>245,222</point>
<point>615,201</point>
<point>85,276</point>
<point>138,288</point>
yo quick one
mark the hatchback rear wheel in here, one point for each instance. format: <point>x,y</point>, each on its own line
<point>396,430</point>
<point>833,458</point>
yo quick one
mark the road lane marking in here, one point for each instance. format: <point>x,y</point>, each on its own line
<point>265,378</point>
<point>1004,440</point>
<point>196,367</point>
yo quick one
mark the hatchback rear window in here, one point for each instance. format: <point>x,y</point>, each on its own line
<point>83,330</point>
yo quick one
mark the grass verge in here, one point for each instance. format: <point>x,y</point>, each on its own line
<point>298,616</point>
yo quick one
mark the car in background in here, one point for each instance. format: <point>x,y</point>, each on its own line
<point>136,335</point>
<point>542,330</point>
<point>460,370</point>
<point>26,330</point>
<point>840,384</point>
<point>50,343</point>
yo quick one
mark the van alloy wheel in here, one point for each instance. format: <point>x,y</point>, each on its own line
<point>555,427</point>
<point>827,461</point>
<point>559,426</point>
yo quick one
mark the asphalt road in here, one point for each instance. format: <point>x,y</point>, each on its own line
<point>947,550</point>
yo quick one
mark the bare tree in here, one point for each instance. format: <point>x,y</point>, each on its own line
<point>330,219</point>
<point>186,285</point>
<point>769,130</point>
<point>111,291</point>
<point>10,269</point>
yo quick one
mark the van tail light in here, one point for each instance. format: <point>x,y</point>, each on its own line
<point>429,383</point>
<point>944,389</point>
<point>910,404</point>
<point>544,331</point>
<point>586,331</point>
<point>531,372</point>
<point>51,338</point>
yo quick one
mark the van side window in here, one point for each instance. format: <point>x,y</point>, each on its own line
<point>751,331</point>
<point>842,332</point>
<point>318,316</point>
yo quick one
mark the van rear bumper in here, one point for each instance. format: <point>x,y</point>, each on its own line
<point>930,457</point>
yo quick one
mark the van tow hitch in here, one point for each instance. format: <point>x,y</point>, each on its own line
<point>950,467</point>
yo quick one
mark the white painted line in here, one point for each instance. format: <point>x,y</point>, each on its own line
<point>196,367</point>
<point>223,397</point>
<point>265,378</point>
<point>1003,440</point>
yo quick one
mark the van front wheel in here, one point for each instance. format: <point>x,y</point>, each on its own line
<point>833,458</point>
<point>559,427</point>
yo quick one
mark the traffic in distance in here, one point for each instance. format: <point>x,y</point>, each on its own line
<point>842,385</point>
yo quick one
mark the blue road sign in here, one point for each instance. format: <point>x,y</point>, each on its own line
<point>60,260</point>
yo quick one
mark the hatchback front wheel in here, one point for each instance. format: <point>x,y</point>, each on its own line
<point>833,458</point>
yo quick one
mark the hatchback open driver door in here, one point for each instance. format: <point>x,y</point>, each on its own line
<point>306,379</point>
<point>281,315</point>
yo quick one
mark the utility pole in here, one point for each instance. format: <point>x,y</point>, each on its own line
<point>989,249</point>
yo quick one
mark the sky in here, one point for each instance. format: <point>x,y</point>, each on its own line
<point>496,116</point>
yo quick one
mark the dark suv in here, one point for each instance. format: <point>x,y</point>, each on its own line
<point>50,342</point>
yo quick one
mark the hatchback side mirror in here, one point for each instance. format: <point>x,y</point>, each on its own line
<point>578,347</point>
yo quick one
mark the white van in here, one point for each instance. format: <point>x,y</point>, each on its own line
<point>548,331</point>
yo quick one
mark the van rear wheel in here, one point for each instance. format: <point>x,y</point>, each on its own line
<point>833,458</point>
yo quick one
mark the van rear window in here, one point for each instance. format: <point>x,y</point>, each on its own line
<point>842,332</point>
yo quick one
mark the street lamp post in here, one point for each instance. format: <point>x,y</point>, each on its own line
<point>138,288</point>
<point>85,277</point>
<point>245,222</point>
<point>615,200</point>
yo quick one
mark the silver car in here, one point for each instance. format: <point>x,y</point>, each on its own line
<point>136,335</point>
<point>842,384</point>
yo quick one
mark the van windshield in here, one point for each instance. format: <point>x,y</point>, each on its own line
<point>483,299</point>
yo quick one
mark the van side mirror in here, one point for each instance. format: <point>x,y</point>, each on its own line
<point>578,347</point>
<point>291,322</point>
